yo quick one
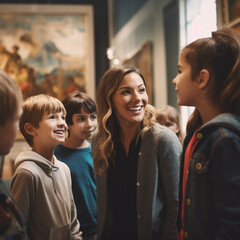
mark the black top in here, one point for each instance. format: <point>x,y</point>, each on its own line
<point>122,178</point>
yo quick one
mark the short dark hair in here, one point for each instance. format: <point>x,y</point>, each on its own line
<point>75,102</point>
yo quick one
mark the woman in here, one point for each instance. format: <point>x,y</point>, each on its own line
<point>136,162</point>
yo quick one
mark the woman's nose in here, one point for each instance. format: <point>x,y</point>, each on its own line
<point>136,97</point>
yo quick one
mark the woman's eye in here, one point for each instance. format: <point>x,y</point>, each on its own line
<point>63,117</point>
<point>142,90</point>
<point>52,117</point>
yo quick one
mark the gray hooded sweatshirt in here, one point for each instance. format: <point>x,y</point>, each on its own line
<point>43,193</point>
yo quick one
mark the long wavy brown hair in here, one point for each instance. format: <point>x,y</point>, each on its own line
<point>220,55</point>
<point>108,126</point>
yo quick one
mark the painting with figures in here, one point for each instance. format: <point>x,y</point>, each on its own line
<point>46,52</point>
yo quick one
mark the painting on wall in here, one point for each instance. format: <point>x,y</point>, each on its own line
<point>230,12</point>
<point>142,59</point>
<point>48,48</point>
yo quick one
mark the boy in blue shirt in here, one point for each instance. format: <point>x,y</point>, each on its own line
<point>76,153</point>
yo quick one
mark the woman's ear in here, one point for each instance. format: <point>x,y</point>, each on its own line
<point>203,79</point>
<point>30,129</point>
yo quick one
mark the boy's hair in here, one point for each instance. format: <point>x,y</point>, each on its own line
<point>34,109</point>
<point>75,102</point>
<point>10,98</point>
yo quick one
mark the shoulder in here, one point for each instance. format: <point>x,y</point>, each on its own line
<point>62,166</point>
<point>161,134</point>
<point>28,168</point>
<point>162,140</point>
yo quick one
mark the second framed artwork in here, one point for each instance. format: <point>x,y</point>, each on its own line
<point>48,48</point>
<point>229,12</point>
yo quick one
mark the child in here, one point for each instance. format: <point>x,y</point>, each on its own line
<point>209,79</point>
<point>76,153</point>
<point>41,184</point>
<point>11,220</point>
<point>169,117</point>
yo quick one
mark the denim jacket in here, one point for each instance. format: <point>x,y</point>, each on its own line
<point>212,201</point>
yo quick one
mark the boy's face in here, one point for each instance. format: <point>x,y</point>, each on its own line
<point>8,132</point>
<point>84,125</point>
<point>51,131</point>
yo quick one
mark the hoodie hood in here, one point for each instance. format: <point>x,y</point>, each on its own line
<point>42,162</point>
<point>226,120</point>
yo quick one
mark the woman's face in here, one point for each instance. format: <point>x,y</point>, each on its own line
<point>129,100</point>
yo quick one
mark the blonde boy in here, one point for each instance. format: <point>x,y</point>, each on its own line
<point>41,184</point>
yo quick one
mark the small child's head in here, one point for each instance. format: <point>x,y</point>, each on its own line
<point>81,114</point>
<point>34,109</point>
<point>10,111</point>
<point>217,59</point>
<point>168,116</point>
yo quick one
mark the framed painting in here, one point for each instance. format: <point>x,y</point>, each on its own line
<point>48,48</point>
<point>230,12</point>
<point>142,59</point>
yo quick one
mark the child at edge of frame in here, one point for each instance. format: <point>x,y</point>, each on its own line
<point>11,219</point>
<point>209,79</point>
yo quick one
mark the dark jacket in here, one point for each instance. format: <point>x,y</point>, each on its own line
<point>212,201</point>
<point>11,219</point>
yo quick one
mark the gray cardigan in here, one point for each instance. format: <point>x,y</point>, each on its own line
<point>157,186</point>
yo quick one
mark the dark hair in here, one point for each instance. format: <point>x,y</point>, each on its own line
<point>220,55</point>
<point>75,102</point>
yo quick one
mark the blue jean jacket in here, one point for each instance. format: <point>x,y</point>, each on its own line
<point>212,201</point>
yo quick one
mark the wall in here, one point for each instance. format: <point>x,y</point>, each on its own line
<point>148,25</point>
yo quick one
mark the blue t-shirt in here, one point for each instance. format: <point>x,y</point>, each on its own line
<point>80,163</point>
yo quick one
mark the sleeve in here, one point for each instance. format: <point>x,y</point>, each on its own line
<point>169,158</point>
<point>22,190</point>
<point>226,185</point>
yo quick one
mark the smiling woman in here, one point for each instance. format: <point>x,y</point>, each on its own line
<point>128,161</point>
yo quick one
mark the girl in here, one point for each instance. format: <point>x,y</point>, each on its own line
<point>209,79</point>
<point>136,162</point>
<point>169,117</point>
